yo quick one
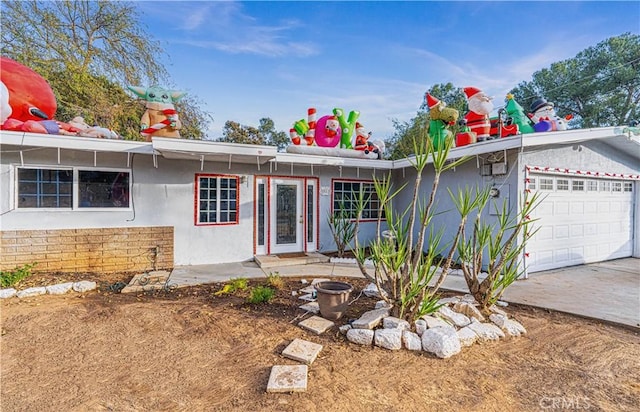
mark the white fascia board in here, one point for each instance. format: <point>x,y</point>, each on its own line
<point>22,139</point>
<point>315,160</point>
<point>193,149</point>
<point>568,136</point>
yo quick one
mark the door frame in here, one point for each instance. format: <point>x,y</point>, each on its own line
<point>264,231</point>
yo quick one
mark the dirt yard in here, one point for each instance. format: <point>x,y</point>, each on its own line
<point>189,350</point>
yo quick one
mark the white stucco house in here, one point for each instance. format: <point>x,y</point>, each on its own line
<point>75,203</point>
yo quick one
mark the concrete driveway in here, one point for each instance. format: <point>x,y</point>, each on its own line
<point>608,290</point>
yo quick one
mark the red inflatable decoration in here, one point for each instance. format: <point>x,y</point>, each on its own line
<point>30,96</point>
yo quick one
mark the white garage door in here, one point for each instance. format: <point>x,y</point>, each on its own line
<point>581,221</point>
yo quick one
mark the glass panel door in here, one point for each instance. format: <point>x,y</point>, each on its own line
<point>287,218</point>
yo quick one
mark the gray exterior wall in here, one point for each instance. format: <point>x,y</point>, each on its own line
<point>468,174</point>
<point>164,196</point>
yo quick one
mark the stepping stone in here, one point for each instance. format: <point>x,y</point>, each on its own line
<point>308,289</point>
<point>316,324</point>
<point>312,307</point>
<point>370,319</point>
<point>288,378</point>
<point>302,351</point>
<point>154,280</point>
<point>308,297</point>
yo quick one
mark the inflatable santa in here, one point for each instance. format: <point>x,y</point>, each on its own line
<point>477,118</point>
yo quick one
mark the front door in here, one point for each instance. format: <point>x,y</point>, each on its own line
<point>287,220</point>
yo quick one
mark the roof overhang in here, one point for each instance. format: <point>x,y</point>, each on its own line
<point>315,160</point>
<point>202,150</point>
<point>92,144</point>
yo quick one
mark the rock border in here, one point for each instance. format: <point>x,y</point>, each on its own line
<point>57,289</point>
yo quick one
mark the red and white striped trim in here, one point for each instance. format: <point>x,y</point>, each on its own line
<point>582,173</point>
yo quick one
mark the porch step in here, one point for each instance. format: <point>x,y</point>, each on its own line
<point>272,261</point>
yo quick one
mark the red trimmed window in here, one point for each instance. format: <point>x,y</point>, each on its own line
<point>216,199</point>
<point>346,193</point>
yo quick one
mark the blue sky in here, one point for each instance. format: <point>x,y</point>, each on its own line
<point>249,60</point>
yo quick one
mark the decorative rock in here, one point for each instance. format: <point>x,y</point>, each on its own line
<point>467,336</point>
<point>486,331</point>
<point>312,307</point>
<point>457,319</point>
<point>360,336</point>
<point>411,340</point>
<point>512,327</point>
<point>442,342</point>
<point>469,310</point>
<point>59,289</point>
<point>345,328</point>
<point>304,281</point>
<point>381,304</point>
<point>468,299</point>
<point>26,293</point>
<point>502,303</point>
<point>421,326</point>
<point>495,309</point>
<point>319,280</point>
<point>84,286</point>
<point>434,322</point>
<point>370,319</point>
<point>288,378</point>
<point>294,293</point>
<point>391,322</point>
<point>302,351</point>
<point>7,293</point>
<point>372,291</point>
<point>388,338</point>
<point>498,320</point>
<point>316,324</point>
<point>446,301</point>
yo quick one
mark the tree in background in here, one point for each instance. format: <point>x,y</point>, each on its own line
<point>406,134</point>
<point>600,86</point>
<point>264,134</point>
<point>89,51</point>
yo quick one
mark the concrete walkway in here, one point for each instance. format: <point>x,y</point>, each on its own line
<point>607,291</point>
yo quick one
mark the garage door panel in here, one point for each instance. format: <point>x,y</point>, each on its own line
<point>580,226</point>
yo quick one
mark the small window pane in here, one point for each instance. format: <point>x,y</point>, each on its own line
<point>628,187</point>
<point>577,185</point>
<point>532,183</point>
<point>562,184</point>
<point>592,186</point>
<point>605,186</point>
<point>546,184</point>
<point>616,187</point>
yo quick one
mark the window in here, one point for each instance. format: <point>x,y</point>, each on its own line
<point>616,187</point>
<point>217,199</point>
<point>592,186</point>
<point>532,183</point>
<point>43,188</point>
<point>562,184</point>
<point>605,186</point>
<point>546,184</point>
<point>577,185</point>
<point>103,189</point>
<point>628,186</point>
<point>346,193</point>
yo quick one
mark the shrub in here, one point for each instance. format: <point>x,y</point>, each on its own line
<point>233,286</point>
<point>261,294</point>
<point>275,280</point>
<point>9,278</point>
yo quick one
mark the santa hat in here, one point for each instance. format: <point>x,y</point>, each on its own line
<point>358,125</point>
<point>431,101</point>
<point>471,91</point>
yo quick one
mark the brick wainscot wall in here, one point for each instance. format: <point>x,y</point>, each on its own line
<point>124,249</point>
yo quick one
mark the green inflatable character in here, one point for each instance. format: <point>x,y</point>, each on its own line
<point>348,126</point>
